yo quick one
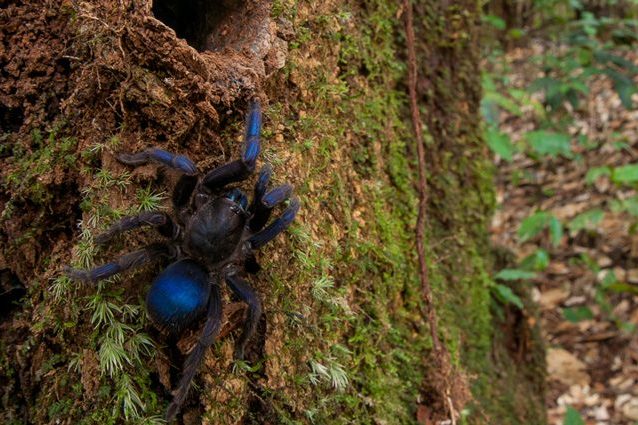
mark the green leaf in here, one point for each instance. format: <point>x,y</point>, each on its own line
<point>521,96</point>
<point>500,143</point>
<point>572,417</point>
<point>506,295</point>
<point>516,33</point>
<point>625,35</point>
<point>549,143</point>
<point>625,174</point>
<point>503,102</point>
<point>609,279</point>
<point>623,85</point>
<point>538,260</point>
<point>533,225</point>
<point>629,205</point>
<point>623,288</point>
<point>577,314</point>
<point>514,274</point>
<point>589,23</point>
<point>576,4</point>
<point>589,262</point>
<point>490,112</point>
<point>625,90</point>
<point>587,143</point>
<point>555,230</point>
<point>605,57</point>
<point>587,220</point>
<point>595,173</point>
<point>495,21</point>
<point>544,84</point>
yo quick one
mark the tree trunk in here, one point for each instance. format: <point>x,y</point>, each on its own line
<point>343,338</point>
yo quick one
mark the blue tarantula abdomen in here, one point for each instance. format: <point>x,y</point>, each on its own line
<point>178,296</point>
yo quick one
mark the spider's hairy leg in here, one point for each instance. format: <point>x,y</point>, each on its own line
<point>241,168</point>
<point>178,162</point>
<point>247,294</point>
<point>264,207</point>
<point>182,193</point>
<point>276,227</point>
<point>194,359</point>
<point>127,261</point>
<point>253,132</point>
<point>260,187</point>
<point>161,221</point>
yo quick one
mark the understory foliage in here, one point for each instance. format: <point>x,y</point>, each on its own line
<point>578,48</point>
<point>576,44</point>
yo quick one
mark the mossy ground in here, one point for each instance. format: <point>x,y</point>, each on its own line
<point>344,338</point>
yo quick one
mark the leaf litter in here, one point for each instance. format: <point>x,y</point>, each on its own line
<point>588,294</point>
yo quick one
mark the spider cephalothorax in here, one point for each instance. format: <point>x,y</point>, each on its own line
<point>212,233</point>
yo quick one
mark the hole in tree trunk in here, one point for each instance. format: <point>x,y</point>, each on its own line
<point>216,24</point>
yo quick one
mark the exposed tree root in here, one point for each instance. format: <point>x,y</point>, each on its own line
<point>450,388</point>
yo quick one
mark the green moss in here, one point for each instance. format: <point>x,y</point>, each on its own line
<point>45,156</point>
<point>370,197</point>
<point>369,253</point>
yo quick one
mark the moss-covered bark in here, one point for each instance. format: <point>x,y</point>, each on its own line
<point>344,339</point>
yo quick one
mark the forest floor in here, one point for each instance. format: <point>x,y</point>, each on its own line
<point>588,292</point>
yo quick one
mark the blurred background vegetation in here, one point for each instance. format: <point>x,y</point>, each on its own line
<point>559,101</point>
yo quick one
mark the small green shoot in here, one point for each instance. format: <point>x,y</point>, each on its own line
<point>129,398</point>
<point>112,356</point>
<point>149,200</point>
<point>332,372</point>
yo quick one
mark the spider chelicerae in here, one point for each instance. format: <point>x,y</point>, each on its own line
<point>211,236</point>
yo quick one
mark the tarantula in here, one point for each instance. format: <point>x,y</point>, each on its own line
<point>212,237</point>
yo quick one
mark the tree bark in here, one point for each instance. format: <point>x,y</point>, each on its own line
<point>343,337</point>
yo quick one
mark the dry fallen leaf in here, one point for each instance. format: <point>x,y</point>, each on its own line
<point>630,409</point>
<point>563,366</point>
<point>553,297</point>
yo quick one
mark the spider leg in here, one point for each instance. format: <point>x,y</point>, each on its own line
<point>266,203</point>
<point>261,186</point>
<point>182,195</point>
<point>127,261</point>
<point>178,162</point>
<point>276,227</point>
<point>194,359</point>
<point>161,221</point>
<point>247,294</point>
<point>241,168</point>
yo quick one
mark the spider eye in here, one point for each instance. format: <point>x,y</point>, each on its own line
<point>238,197</point>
